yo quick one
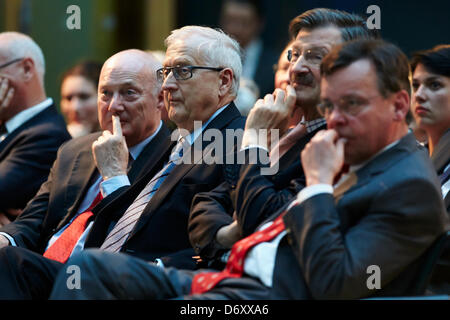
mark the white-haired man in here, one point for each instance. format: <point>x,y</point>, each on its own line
<point>148,219</point>
<point>31,130</point>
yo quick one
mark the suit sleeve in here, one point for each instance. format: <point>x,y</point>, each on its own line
<point>27,228</point>
<point>209,212</point>
<point>27,166</point>
<point>394,231</point>
<point>257,196</point>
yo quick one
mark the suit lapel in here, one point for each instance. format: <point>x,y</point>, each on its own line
<point>222,120</point>
<point>441,154</point>
<point>46,113</point>
<point>375,166</point>
<point>81,175</point>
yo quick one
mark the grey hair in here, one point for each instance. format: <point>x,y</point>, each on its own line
<point>19,45</point>
<point>214,47</point>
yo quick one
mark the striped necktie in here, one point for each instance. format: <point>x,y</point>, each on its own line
<point>118,235</point>
<point>445,175</point>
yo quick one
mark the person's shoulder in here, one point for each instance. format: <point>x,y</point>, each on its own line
<point>82,142</point>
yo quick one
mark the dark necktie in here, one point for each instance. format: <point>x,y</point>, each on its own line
<point>445,175</point>
<point>3,129</point>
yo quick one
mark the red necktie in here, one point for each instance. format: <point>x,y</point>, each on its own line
<point>61,249</point>
<point>345,168</point>
<point>205,281</point>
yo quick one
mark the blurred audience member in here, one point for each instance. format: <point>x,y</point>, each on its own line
<point>282,80</point>
<point>244,20</point>
<point>431,110</point>
<point>31,129</point>
<point>79,98</point>
<point>281,69</point>
<point>247,95</point>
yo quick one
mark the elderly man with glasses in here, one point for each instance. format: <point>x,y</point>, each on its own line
<point>148,217</point>
<point>31,130</point>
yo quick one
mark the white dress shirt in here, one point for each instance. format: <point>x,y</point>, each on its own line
<point>25,115</point>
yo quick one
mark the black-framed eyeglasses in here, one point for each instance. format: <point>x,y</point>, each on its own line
<point>350,106</point>
<point>180,72</point>
<point>313,56</point>
<point>10,62</point>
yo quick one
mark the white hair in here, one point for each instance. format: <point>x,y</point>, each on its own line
<point>15,45</point>
<point>214,47</point>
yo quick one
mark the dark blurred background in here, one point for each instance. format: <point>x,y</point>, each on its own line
<point>108,26</point>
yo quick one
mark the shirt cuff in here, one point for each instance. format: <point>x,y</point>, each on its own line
<point>158,262</point>
<point>313,190</point>
<point>110,185</point>
<point>10,239</point>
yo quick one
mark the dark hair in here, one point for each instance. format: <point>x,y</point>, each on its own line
<point>436,60</point>
<point>87,69</point>
<point>352,26</point>
<point>257,5</point>
<point>390,63</point>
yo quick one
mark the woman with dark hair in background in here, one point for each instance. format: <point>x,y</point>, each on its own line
<point>79,98</point>
<point>431,110</point>
<point>431,107</point>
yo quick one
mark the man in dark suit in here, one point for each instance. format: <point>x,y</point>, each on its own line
<point>382,215</point>
<point>31,130</point>
<point>75,179</point>
<point>149,218</point>
<point>255,196</point>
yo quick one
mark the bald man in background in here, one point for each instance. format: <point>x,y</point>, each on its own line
<point>31,130</point>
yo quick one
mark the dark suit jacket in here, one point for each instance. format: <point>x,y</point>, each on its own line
<point>441,159</point>
<point>387,215</point>
<point>440,279</point>
<point>72,174</point>
<point>26,156</point>
<point>255,197</point>
<point>161,230</point>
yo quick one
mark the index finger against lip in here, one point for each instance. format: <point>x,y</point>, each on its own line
<point>117,128</point>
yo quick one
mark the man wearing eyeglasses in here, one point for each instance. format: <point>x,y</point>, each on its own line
<point>148,218</point>
<point>250,196</point>
<point>365,235</point>
<point>31,130</point>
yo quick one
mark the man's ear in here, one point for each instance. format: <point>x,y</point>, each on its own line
<point>28,68</point>
<point>225,81</point>
<point>160,104</point>
<point>401,105</point>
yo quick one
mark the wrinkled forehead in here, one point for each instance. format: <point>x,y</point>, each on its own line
<point>115,75</point>
<point>185,52</point>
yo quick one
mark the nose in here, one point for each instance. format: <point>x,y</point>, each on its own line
<point>420,95</point>
<point>298,66</point>
<point>116,104</point>
<point>335,119</point>
<point>170,82</point>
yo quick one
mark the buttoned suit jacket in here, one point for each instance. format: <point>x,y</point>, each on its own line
<point>161,231</point>
<point>26,156</point>
<point>255,197</point>
<point>440,279</point>
<point>71,176</point>
<point>385,215</point>
<point>441,159</point>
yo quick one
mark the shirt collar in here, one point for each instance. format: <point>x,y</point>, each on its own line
<point>136,150</point>
<point>25,115</point>
<point>190,138</point>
